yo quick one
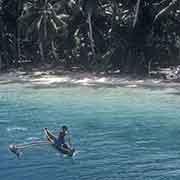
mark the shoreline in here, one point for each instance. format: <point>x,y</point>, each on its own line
<point>44,78</point>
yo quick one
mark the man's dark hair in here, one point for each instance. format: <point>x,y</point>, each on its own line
<point>65,127</point>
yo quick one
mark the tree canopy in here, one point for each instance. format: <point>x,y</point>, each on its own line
<point>97,35</point>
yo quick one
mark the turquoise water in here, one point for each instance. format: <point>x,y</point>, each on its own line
<point>119,133</point>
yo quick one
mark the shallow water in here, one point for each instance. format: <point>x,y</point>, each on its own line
<point>119,133</point>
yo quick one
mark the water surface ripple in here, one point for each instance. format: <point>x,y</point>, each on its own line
<point>119,133</point>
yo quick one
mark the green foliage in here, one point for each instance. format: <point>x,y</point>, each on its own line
<point>98,35</point>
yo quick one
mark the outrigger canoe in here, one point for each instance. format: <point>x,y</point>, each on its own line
<point>52,139</point>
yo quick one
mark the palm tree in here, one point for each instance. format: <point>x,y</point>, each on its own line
<point>40,19</point>
<point>89,8</point>
<point>18,14</point>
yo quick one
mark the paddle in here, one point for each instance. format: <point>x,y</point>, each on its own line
<point>70,140</point>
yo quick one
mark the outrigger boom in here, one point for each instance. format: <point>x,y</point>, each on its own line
<point>17,148</point>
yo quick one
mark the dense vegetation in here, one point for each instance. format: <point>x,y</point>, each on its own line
<point>96,35</point>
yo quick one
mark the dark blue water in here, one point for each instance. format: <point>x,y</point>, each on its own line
<point>119,133</point>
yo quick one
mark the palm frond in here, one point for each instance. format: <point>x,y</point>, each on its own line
<point>165,10</point>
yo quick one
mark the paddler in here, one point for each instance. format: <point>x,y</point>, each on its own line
<point>61,137</point>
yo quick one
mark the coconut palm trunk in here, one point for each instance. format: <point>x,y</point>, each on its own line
<point>18,30</point>
<point>137,13</point>
<point>0,62</point>
<point>54,50</point>
<point>91,36</point>
<point>41,50</point>
<point>18,43</point>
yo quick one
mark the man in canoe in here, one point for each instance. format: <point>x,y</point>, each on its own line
<point>59,142</point>
<point>61,138</point>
